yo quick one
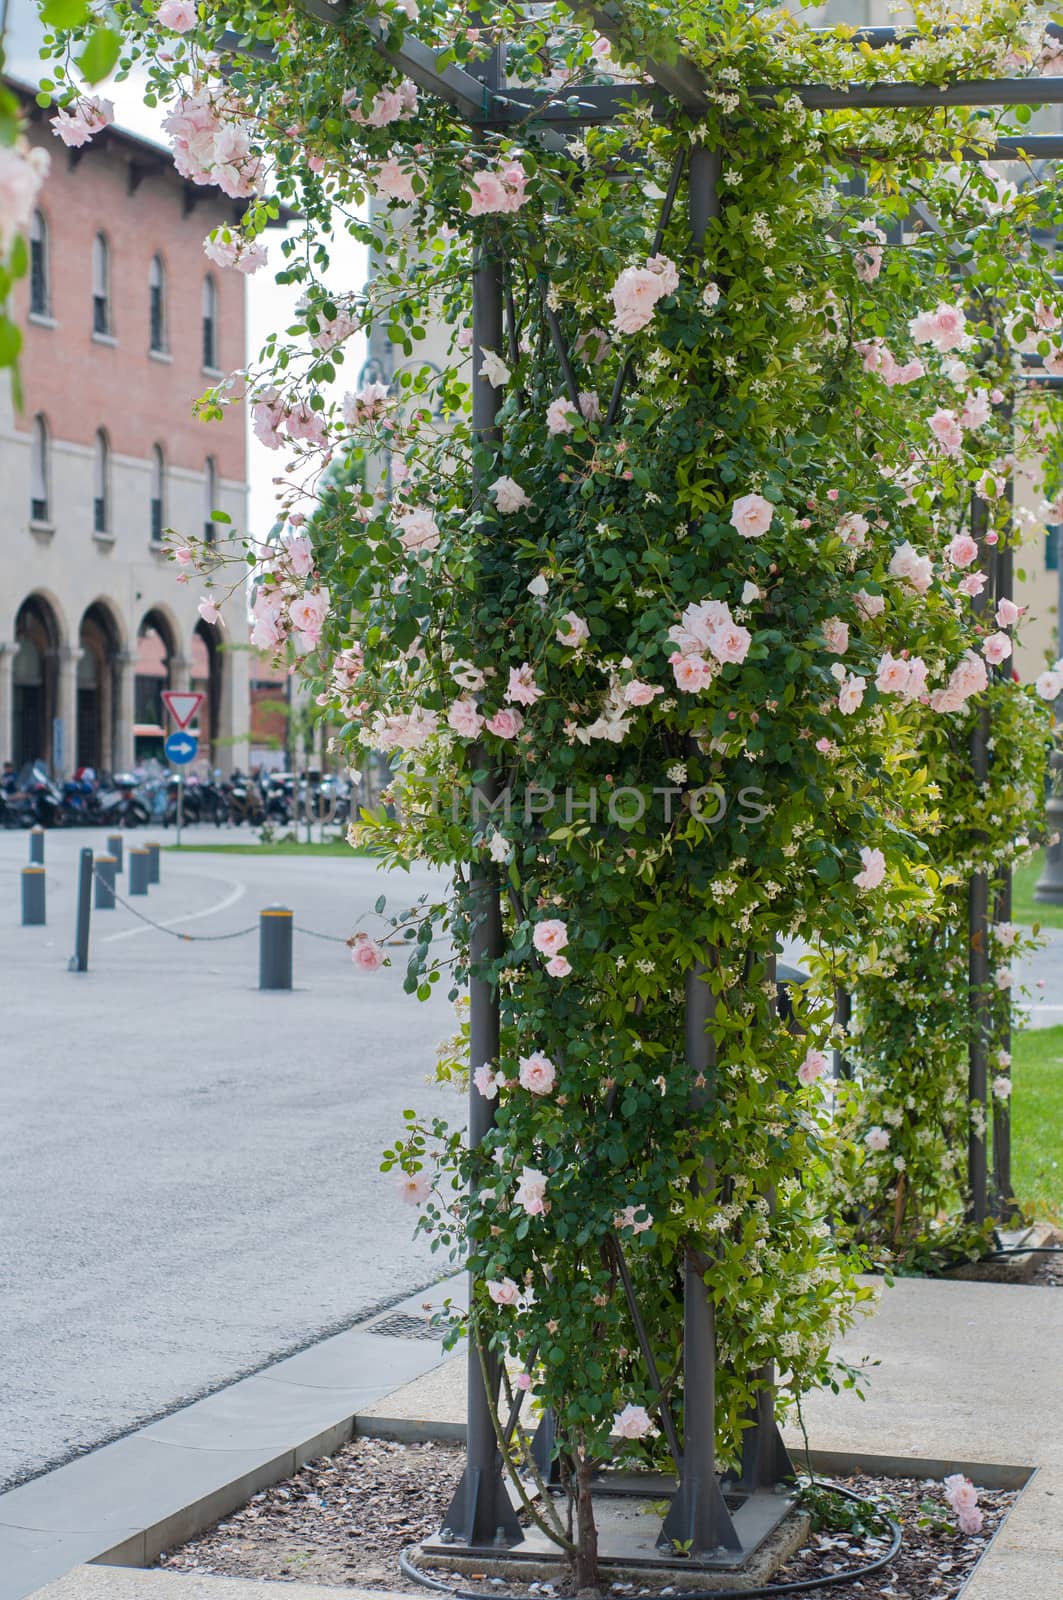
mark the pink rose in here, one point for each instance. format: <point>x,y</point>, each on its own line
<point>752,515</point>
<point>505,724</point>
<point>836,635</point>
<point>946,429</point>
<point>637,1218</point>
<point>550,937</point>
<point>183,556</point>
<point>465,719</point>
<point>560,416</point>
<point>692,673</point>
<point>976,411</point>
<point>916,570</point>
<point>420,531</point>
<point>523,689</point>
<point>869,605</point>
<point>537,1073</point>
<point>558,967</point>
<point>853,529</point>
<point>503,1291</point>
<point>973,584</point>
<point>393,182</point>
<point>892,676</point>
<point>997,648</point>
<point>1049,685</point>
<point>307,615</point>
<point>414,1187</point>
<point>640,694</point>
<point>78,125</point>
<point>300,554</point>
<point>509,496</point>
<point>730,643</point>
<point>632,1423</point>
<point>531,1192</point>
<point>487,1082</point>
<point>873,870</point>
<point>366,953</point>
<point>573,631</point>
<point>850,695</point>
<point>177,15</point>
<point>209,611</point>
<point>812,1067</point>
<point>1008,613</point>
<point>635,295</point>
<point>945,328</point>
<point>877,1139</point>
<point>962,550</point>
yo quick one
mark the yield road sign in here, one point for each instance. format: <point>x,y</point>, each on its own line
<point>182,705</point>
<point>181,748</point>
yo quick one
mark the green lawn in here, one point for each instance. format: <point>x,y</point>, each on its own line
<point>1037,1122</point>
<point>1024,908</point>
<point>282,847</point>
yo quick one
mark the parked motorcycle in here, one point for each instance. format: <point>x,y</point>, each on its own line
<point>119,804</point>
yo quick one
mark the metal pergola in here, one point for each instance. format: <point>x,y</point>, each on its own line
<point>716,1529</point>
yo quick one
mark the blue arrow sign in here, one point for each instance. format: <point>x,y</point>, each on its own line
<point>181,748</point>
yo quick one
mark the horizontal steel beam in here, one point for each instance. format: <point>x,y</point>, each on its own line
<point>680,78</point>
<point>880,96</point>
<point>592,104</point>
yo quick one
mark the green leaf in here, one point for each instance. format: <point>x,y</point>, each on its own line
<point>100,54</point>
<point>65,13</point>
<point>10,342</point>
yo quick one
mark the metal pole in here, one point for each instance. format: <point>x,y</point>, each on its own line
<point>105,871</point>
<point>153,862</point>
<point>978,928</point>
<point>114,848</point>
<point>37,847</point>
<point>1003,1197</point>
<point>180,804</point>
<point>480,1512</point>
<point>79,961</point>
<point>138,872</point>
<point>275,929</point>
<point>698,1520</point>
<point>843,1016</point>
<point>33,914</point>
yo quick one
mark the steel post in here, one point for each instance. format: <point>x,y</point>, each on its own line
<point>79,961</point>
<point>978,931</point>
<point>275,942</point>
<point>37,847</point>
<point>105,867</point>
<point>138,872</point>
<point>114,848</point>
<point>33,897</point>
<point>153,862</point>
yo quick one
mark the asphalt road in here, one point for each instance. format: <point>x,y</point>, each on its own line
<point>189,1181</point>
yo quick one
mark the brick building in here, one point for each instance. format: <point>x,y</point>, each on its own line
<point>125,322</point>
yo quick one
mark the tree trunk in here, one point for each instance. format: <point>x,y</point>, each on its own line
<point>586,1561</point>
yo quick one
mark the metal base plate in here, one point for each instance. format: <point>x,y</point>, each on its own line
<point>629,1510</point>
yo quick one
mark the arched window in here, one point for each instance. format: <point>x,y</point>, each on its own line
<point>39,471</point>
<point>101,503</point>
<point>40,299</point>
<point>157,303</point>
<point>210,499</point>
<point>158,493</point>
<point>101,285</point>
<point>210,324</point>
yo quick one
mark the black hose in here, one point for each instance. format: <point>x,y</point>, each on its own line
<point>765,1591</point>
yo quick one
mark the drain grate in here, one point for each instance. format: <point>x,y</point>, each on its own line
<point>401,1326</point>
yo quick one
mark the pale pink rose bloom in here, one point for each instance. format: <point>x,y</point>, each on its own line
<point>523,689</point>
<point>486,1082</point>
<point>1003,978</point>
<point>183,556</point>
<point>503,1291</point>
<point>910,372</point>
<point>1050,61</point>
<point>632,1423</point>
<point>1046,316</point>
<point>523,1380</point>
<point>976,410</point>
<point>306,424</point>
<point>1049,685</point>
<point>393,181</point>
<point>869,605</point>
<point>960,1492</point>
<point>947,431</point>
<point>414,1187</point>
<point>850,695</point>
<point>916,570</point>
<point>877,1139</point>
<point>692,673</point>
<point>836,635</point>
<point>969,675</point>
<point>917,675</point>
<point>1008,613</point>
<point>590,406</point>
<point>509,496</point>
<point>537,1073</point>
<point>853,528</point>
<point>573,631</point>
<point>531,1192</point>
<point>962,550</point>
<point>1002,1088</point>
<point>550,937</point>
<point>667,271</point>
<point>505,724</point>
<point>465,719</point>
<point>990,486</point>
<point>209,611</point>
<point>945,328</point>
<point>630,1218</point>
<point>892,675</point>
<point>970,1522</point>
<point>88,115</point>
<point>699,623</point>
<point>177,15</point>
<point>751,515</point>
<point>420,531</point>
<point>300,554</point>
<point>487,194</point>
<point>307,615</point>
<point>997,648</point>
<point>812,1067</point>
<point>269,629</point>
<point>710,296</point>
<point>558,967</point>
<point>1054,363</point>
<point>371,401</point>
<point>868,263</point>
<point>973,584</point>
<point>873,353</point>
<point>635,294</point>
<point>366,953</point>
<point>873,870</point>
<point>730,643</point>
<point>946,700</point>
<point>267,418</point>
<point>561,415</point>
<point>640,694</point>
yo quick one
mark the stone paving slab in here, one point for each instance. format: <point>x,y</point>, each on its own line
<point>157,1487</point>
<point>118,1583</point>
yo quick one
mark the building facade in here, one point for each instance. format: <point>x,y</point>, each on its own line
<point>125,322</point>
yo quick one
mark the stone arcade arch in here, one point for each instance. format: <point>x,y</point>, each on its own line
<point>159,666</point>
<point>37,732</point>
<point>207,675</point>
<point>99,711</point>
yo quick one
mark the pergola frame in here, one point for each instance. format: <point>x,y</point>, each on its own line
<point>481,1517</point>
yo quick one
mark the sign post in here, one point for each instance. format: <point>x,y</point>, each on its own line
<point>181,747</point>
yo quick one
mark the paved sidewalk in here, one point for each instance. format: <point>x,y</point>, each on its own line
<point>119,1583</point>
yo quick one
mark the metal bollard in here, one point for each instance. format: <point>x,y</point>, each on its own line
<point>114,848</point>
<point>106,867</point>
<point>33,897</point>
<point>153,862</point>
<point>139,865</point>
<point>275,948</point>
<point>79,961</point>
<point>37,846</point>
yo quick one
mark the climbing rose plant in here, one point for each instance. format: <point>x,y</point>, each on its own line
<point>693,669</point>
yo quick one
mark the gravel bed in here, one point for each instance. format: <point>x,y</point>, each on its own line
<point>344,1519</point>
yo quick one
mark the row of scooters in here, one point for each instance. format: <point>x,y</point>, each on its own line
<point>33,798</point>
